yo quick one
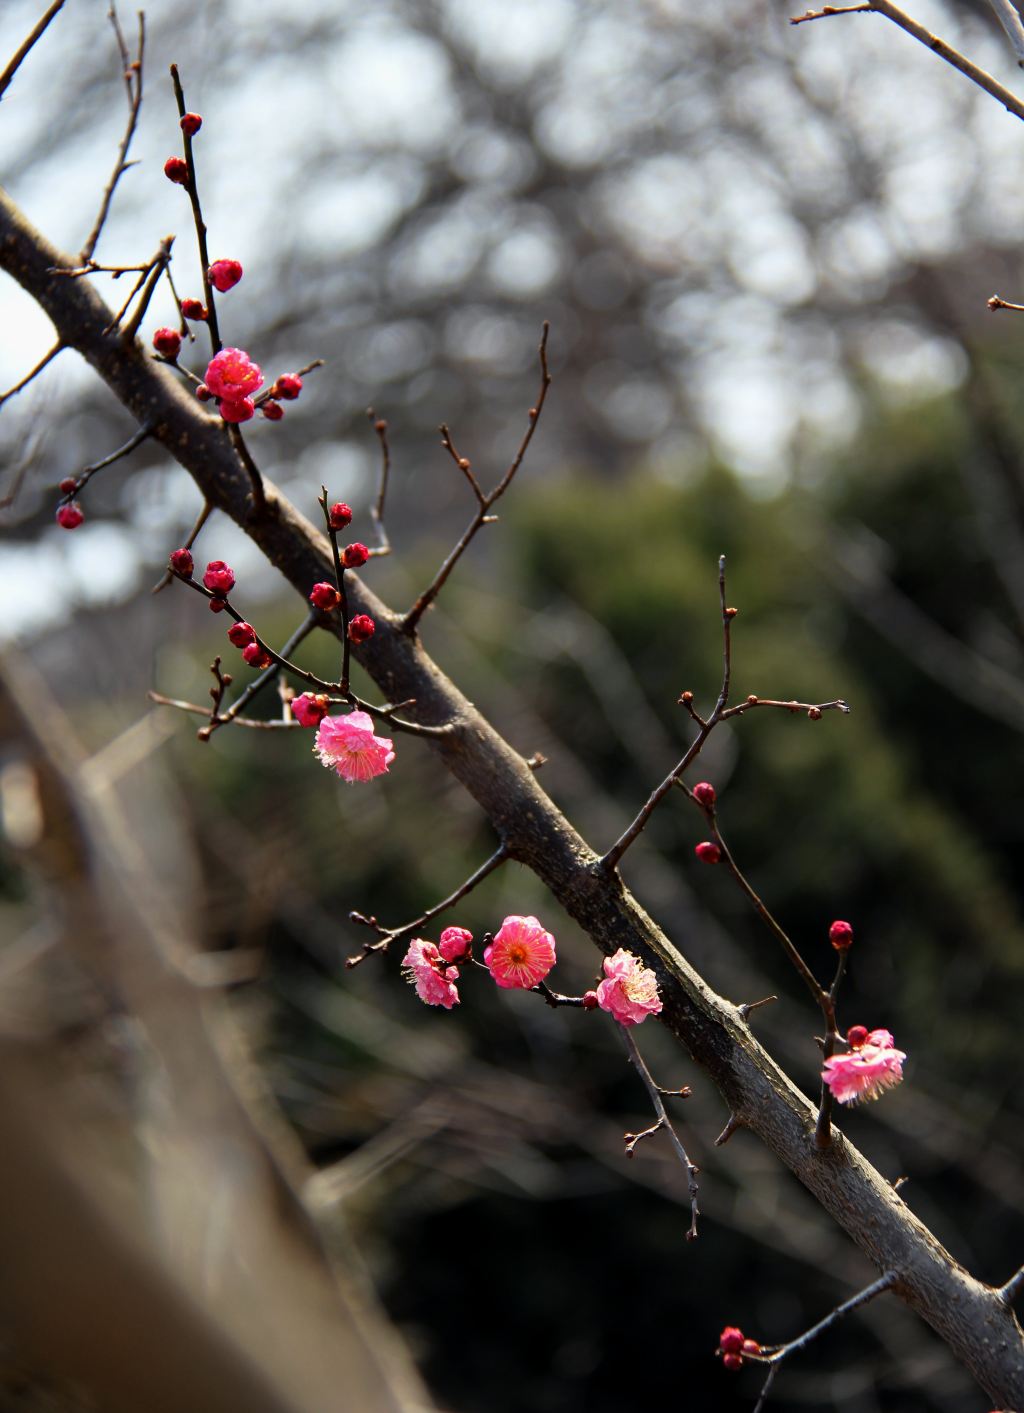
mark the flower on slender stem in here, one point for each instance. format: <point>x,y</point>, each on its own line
<point>241,634</point>
<point>70,516</point>
<point>194,309</point>
<point>840,934</point>
<point>871,1067</point>
<point>288,385</point>
<point>237,409</point>
<point>347,745</point>
<point>521,954</point>
<point>354,555</point>
<point>176,170</point>
<point>361,628</point>
<point>219,578</point>
<point>167,342</point>
<point>629,991</point>
<point>232,375</point>
<point>434,982</point>
<point>182,563</point>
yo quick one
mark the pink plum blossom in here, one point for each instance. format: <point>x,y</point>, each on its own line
<point>232,375</point>
<point>224,274</point>
<point>867,1071</point>
<point>629,991</point>
<point>347,745</point>
<point>455,943</point>
<point>423,966</point>
<point>521,954</point>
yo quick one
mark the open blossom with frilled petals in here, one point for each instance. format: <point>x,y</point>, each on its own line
<point>232,375</point>
<point>521,954</point>
<point>435,983</point>
<point>347,744</point>
<point>867,1071</point>
<point>629,991</point>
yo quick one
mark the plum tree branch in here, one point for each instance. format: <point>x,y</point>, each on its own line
<point>970,1316</point>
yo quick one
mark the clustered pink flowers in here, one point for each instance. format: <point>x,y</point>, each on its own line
<point>347,745</point>
<point>232,376</point>
<point>732,1345</point>
<point>872,1066</point>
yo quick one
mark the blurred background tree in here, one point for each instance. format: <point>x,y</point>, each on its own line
<point>765,256</point>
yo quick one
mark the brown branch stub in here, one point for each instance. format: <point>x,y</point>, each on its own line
<point>380,427</point>
<point>828,10</point>
<point>749,1006</point>
<point>996,302</point>
<point>484,501</point>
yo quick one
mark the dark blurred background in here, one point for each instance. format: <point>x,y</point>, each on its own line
<point>765,255</point>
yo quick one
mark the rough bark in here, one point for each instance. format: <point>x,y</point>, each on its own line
<point>982,1332</point>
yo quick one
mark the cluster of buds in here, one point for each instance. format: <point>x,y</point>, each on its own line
<point>732,1346</point>
<point>69,512</point>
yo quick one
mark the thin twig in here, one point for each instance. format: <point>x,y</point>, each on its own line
<point>615,853</point>
<point>46,359</point>
<point>201,520</point>
<point>269,675</point>
<point>132,73</point>
<point>259,497</point>
<point>996,302</point>
<point>22,51</point>
<point>88,472</point>
<point>938,46</point>
<point>484,502</point>
<point>339,583</point>
<point>197,217</point>
<point>388,935</point>
<point>158,265</point>
<point>1009,18</point>
<point>811,709</point>
<point>664,1122</point>
<point>774,1355</point>
<point>380,426</point>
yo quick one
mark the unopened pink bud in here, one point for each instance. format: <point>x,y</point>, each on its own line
<point>272,411</point>
<point>203,393</point>
<point>455,943</point>
<point>194,309</point>
<point>856,1036</point>
<point>708,852</point>
<point>241,634</point>
<point>324,596</point>
<point>167,342</point>
<point>176,170</point>
<point>224,274</point>
<point>68,486</point>
<point>190,124</point>
<point>361,628</point>
<point>182,563</point>
<point>730,1341</point>
<point>355,555</point>
<point>732,1361</point>
<point>340,515</point>
<point>310,710</point>
<point>840,934</point>
<point>704,794</point>
<point>219,578</point>
<point>217,605</point>
<point>751,1346</point>
<point>288,386</point>
<point>590,1001</point>
<point>70,516</point>
<point>237,410</point>
<point>257,656</point>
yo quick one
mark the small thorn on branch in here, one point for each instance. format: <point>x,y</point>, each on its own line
<point>731,1127</point>
<point>749,1006</point>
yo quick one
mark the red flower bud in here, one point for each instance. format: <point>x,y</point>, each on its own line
<point>256,656</point>
<point>203,393</point>
<point>310,710</point>
<point>167,342</point>
<point>288,386</point>
<point>355,555</point>
<point>237,409</point>
<point>730,1341</point>
<point>68,486</point>
<point>704,794</point>
<point>219,578</point>
<point>856,1036</point>
<point>182,563</point>
<point>70,516</point>
<point>194,309</point>
<point>272,411</point>
<point>190,124</point>
<point>176,170</point>
<point>241,634</point>
<point>732,1361</point>
<point>217,605</point>
<point>324,596</point>
<point>340,515</point>
<point>224,274</point>
<point>751,1346</point>
<point>708,852</point>
<point>361,628</point>
<point>590,1001</point>
<point>840,934</point>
